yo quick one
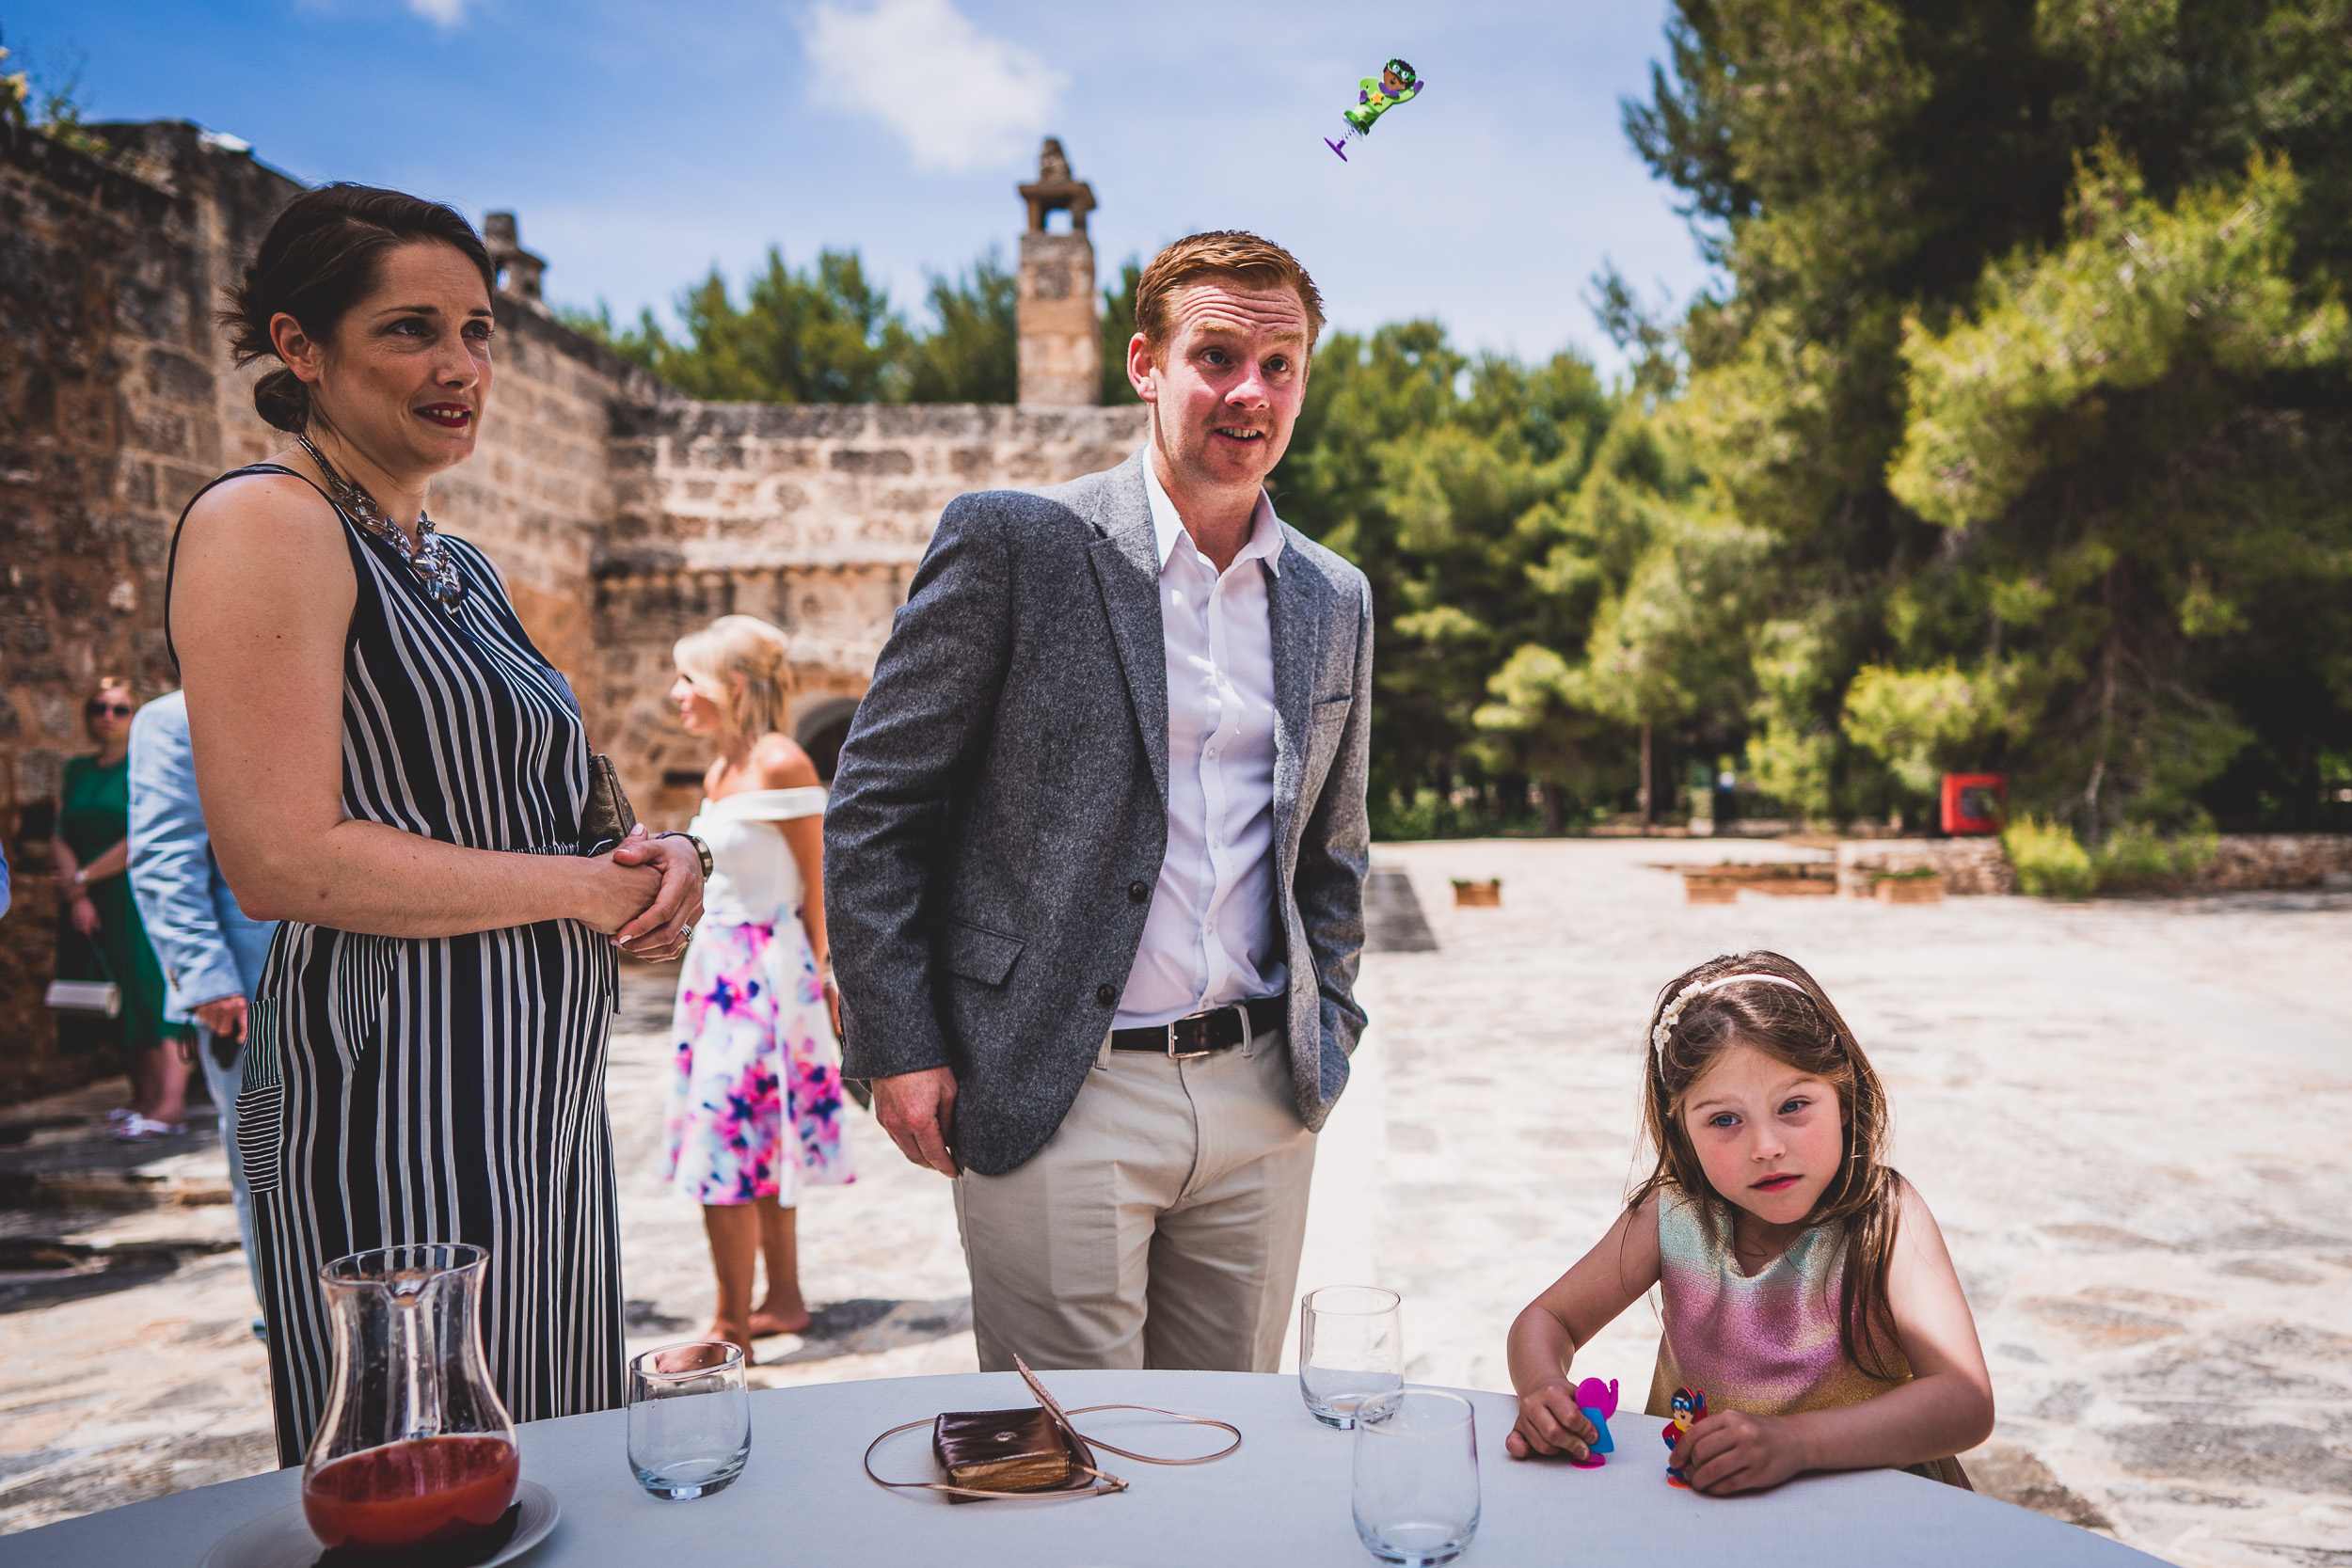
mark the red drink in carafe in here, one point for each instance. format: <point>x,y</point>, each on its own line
<point>427,1492</point>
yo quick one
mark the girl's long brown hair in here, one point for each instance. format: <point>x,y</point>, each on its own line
<point>1803,1029</point>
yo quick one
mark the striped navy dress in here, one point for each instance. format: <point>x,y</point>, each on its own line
<point>445,1089</point>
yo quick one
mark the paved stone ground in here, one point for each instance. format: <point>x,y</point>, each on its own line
<point>2127,1117</point>
<point>2124,1116</point>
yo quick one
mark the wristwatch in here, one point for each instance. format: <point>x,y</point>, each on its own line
<point>701,850</point>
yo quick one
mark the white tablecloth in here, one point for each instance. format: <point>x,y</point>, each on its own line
<point>1282,1499</point>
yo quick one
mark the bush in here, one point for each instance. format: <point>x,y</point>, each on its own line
<point>2050,864</point>
<point>2136,859</point>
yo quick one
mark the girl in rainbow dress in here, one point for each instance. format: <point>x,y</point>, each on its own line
<point>1805,1289</point>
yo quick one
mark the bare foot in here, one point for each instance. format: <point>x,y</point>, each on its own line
<point>764,1323</point>
<point>739,1338</point>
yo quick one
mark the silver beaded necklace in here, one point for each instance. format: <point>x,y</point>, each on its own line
<point>432,564</point>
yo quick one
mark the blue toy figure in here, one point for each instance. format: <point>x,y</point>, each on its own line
<point>1596,1400</point>
<point>1689,1409</point>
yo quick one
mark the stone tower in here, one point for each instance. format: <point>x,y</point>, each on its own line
<point>1061,353</point>
<point>518,270</point>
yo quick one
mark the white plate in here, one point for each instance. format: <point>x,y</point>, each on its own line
<point>283,1539</point>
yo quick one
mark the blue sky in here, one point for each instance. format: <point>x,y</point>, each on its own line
<point>641,143</point>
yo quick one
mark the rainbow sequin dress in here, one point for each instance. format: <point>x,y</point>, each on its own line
<point>1765,1343</point>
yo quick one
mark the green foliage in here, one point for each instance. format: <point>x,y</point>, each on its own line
<point>2029,364</point>
<point>973,354</point>
<point>828,335</point>
<point>51,101</point>
<point>2049,861</point>
<point>16,92</point>
<point>1461,486</point>
<point>2143,294</point>
<point>2137,857</point>
<point>1924,723</point>
<point>2052,863</point>
<point>1119,329</point>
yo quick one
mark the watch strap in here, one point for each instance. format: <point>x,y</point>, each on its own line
<point>702,850</point>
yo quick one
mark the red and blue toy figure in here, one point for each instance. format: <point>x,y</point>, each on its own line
<point>1598,1401</point>
<point>1689,1409</point>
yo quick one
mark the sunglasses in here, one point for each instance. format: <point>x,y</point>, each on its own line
<point>121,710</point>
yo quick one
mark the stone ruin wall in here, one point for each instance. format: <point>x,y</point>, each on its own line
<point>538,491</point>
<point>811,516</point>
<point>117,403</point>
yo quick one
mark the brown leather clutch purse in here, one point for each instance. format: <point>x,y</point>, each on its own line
<point>605,816</point>
<point>1026,1453</point>
<point>1006,1451</point>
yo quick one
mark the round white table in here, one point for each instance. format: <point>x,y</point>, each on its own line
<point>1281,1499</point>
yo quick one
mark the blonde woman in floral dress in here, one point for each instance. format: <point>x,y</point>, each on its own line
<point>754,1110</point>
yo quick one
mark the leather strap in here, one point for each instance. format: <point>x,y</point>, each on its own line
<point>1217,1029</point>
<point>1102,1483</point>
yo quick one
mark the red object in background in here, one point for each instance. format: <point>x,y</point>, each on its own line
<point>1975,802</point>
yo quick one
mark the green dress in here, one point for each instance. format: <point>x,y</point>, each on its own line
<point>92,819</point>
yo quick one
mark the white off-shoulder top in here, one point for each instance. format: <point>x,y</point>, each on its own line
<point>754,879</point>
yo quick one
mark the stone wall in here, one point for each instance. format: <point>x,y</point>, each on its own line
<point>811,516</point>
<point>2242,863</point>
<point>2249,861</point>
<point>1970,865</point>
<point>117,403</point>
<point>538,490</point>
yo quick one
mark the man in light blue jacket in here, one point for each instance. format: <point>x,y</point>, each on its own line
<point>211,951</point>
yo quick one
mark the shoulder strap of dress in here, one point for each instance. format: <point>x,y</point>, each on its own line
<point>171,562</point>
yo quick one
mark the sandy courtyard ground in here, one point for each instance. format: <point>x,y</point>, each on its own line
<point>2128,1119</point>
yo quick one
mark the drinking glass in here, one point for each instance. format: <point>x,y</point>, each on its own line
<point>690,1420</point>
<point>1416,1486</point>
<point>1350,1349</point>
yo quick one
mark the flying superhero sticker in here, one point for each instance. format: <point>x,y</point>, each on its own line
<point>1375,97</point>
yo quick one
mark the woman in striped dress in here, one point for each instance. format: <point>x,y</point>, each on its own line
<point>390,766</point>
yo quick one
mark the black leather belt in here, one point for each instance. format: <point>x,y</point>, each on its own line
<point>1217,1029</point>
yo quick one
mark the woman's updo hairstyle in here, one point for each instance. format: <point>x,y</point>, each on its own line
<point>320,258</point>
<point>745,646</point>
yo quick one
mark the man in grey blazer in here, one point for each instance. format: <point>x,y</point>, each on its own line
<point>1095,857</point>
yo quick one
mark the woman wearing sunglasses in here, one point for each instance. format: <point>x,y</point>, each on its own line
<point>100,937</point>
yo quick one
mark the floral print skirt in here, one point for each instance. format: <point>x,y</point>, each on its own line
<point>755,1095</point>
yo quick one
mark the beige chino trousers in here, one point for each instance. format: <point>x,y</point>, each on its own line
<point>1159,1226</point>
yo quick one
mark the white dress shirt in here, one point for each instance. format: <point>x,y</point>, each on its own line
<point>1211,936</point>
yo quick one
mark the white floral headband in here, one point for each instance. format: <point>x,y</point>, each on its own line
<point>1673,1014</point>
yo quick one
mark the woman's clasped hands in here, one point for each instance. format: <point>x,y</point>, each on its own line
<point>651,896</point>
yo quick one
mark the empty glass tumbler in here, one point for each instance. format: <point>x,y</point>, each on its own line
<point>690,1420</point>
<point>1351,1347</point>
<point>1416,1485</point>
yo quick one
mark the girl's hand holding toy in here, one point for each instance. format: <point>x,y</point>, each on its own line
<point>1550,1423</point>
<point>1733,1452</point>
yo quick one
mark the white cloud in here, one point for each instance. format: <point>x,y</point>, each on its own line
<point>957,97</point>
<point>441,13</point>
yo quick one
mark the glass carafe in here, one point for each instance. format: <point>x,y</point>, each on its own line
<point>415,1449</point>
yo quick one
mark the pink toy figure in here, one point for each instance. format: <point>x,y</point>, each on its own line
<point>1598,1401</point>
<point>1689,1409</point>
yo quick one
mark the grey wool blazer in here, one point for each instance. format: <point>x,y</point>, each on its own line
<point>1000,814</point>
